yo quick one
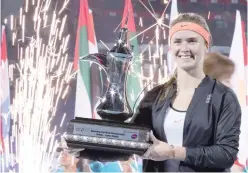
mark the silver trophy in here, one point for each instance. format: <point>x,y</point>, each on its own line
<point>111,133</point>
<point>115,106</point>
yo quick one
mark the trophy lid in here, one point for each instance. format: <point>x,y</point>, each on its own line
<point>121,45</point>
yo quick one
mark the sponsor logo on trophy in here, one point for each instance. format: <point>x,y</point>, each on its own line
<point>134,136</point>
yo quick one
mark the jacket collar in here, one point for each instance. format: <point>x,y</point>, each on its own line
<point>204,82</point>
<point>173,89</point>
<point>161,106</point>
<point>199,91</point>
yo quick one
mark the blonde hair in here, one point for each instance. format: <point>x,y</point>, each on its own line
<point>216,65</point>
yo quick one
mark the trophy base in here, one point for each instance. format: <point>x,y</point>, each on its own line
<point>106,148</point>
<point>113,115</point>
<point>103,135</point>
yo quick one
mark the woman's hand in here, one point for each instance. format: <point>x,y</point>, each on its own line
<point>159,150</point>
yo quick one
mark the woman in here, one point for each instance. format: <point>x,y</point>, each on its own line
<point>222,68</point>
<point>195,120</point>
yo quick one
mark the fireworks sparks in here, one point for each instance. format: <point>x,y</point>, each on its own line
<point>154,44</point>
<point>44,75</point>
<point>105,45</point>
<point>209,14</point>
<point>153,57</point>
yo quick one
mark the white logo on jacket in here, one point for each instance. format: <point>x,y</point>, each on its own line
<point>209,97</point>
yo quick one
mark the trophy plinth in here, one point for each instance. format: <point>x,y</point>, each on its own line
<point>107,135</point>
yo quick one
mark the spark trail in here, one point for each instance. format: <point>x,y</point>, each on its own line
<point>43,81</point>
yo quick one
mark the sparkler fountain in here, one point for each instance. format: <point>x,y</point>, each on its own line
<point>44,75</point>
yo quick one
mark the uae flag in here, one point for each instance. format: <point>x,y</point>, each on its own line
<point>238,55</point>
<point>134,83</point>
<point>5,104</point>
<point>85,44</point>
<point>4,93</point>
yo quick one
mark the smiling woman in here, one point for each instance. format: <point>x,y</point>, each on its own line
<point>189,34</point>
<point>195,120</point>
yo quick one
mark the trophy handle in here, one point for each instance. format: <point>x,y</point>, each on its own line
<point>101,61</point>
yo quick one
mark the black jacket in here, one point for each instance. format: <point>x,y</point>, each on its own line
<point>211,129</point>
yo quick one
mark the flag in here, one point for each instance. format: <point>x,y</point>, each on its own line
<point>245,58</point>
<point>134,86</point>
<point>237,55</point>
<point>4,95</point>
<point>173,14</point>
<point>96,76</point>
<point>85,44</point>
<point>91,34</point>
<point>4,105</point>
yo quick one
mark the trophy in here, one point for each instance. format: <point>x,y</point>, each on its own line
<point>111,133</point>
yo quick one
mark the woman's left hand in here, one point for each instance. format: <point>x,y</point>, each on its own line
<point>158,151</point>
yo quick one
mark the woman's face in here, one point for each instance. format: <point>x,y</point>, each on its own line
<point>188,49</point>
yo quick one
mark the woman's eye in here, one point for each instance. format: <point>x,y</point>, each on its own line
<point>192,41</point>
